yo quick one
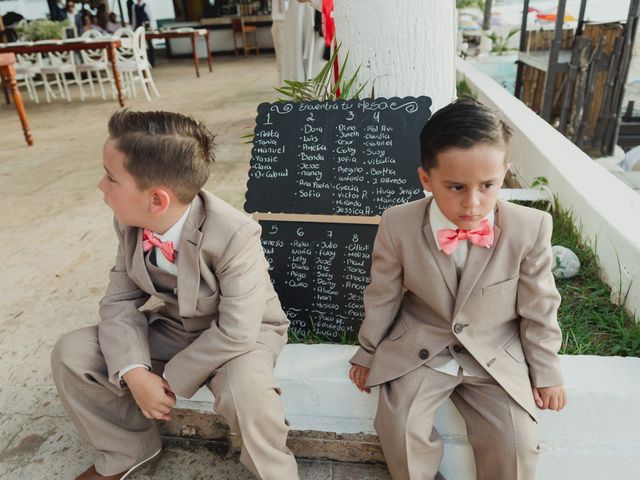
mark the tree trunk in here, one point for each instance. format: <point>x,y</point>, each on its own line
<point>403,48</point>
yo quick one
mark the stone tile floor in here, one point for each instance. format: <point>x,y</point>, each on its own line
<point>58,244</point>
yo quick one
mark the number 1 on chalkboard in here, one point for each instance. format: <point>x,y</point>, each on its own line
<point>268,122</point>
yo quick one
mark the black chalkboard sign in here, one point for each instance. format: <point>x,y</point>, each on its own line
<point>351,157</point>
<point>319,271</point>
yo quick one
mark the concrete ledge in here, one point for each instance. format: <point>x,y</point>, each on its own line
<point>596,436</point>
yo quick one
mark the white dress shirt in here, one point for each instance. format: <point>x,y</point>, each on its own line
<point>172,235</point>
<point>439,222</point>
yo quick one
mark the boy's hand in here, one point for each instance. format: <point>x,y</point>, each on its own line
<point>358,375</point>
<point>552,398</point>
<point>151,392</point>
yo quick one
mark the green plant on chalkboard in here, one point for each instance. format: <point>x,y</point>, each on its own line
<point>320,87</point>
<point>463,89</point>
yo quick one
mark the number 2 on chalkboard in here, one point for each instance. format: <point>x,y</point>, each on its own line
<point>310,118</point>
<point>268,122</point>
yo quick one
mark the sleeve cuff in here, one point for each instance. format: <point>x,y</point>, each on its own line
<point>128,368</point>
<point>362,358</point>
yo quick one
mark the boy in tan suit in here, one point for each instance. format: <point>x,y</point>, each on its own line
<point>462,304</point>
<point>219,322</point>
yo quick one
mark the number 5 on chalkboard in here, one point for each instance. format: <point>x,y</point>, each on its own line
<point>274,230</point>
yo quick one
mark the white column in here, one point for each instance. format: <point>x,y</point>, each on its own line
<point>403,47</point>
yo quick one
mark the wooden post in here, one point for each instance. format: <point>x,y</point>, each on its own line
<point>523,42</point>
<point>552,69</point>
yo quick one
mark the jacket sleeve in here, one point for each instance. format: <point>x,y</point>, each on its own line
<point>241,278</point>
<point>382,297</point>
<point>537,304</point>
<point>123,329</point>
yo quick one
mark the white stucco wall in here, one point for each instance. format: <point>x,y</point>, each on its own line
<point>596,436</point>
<point>606,210</point>
<point>403,48</point>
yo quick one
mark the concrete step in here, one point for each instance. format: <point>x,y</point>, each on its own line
<point>596,436</point>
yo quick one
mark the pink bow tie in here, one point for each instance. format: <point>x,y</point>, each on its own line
<point>149,240</point>
<point>449,238</point>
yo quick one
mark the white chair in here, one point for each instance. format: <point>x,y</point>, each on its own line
<point>131,60</point>
<point>27,68</point>
<point>95,62</point>
<point>59,64</point>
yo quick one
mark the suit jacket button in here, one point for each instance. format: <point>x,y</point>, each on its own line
<point>424,354</point>
<point>457,328</point>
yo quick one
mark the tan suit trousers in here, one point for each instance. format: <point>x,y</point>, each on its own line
<point>108,419</point>
<point>502,434</point>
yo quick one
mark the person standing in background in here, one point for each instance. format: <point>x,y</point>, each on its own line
<point>291,43</point>
<point>142,16</point>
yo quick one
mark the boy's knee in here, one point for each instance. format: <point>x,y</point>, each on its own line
<point>69,348</point>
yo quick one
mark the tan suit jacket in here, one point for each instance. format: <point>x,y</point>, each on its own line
<point>224,301</point>
<point>503,309</point>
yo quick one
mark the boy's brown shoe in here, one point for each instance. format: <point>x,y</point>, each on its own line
<point>151,462</point>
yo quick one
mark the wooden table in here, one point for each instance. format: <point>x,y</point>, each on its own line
<point>107,44</point>
<point>8,75</point>
<point>191,33</point>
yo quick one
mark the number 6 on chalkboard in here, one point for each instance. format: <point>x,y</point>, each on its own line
<point>300,232</point>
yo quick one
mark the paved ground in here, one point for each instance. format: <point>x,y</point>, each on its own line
<point>58,244</point>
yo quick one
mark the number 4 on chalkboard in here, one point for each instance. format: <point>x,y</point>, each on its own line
<point>376,117</point>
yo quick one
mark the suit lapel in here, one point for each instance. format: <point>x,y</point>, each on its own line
<point>138,267</point>
<point>444,261</point>
<point>189,259</point>
<point>477,261</point>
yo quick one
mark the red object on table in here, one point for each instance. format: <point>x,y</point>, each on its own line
<point>8,74</point>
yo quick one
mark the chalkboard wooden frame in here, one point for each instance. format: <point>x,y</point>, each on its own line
<point>308,217</point>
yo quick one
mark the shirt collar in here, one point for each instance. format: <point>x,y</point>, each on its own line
<point>439,221</point>
<point>175,232</point>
